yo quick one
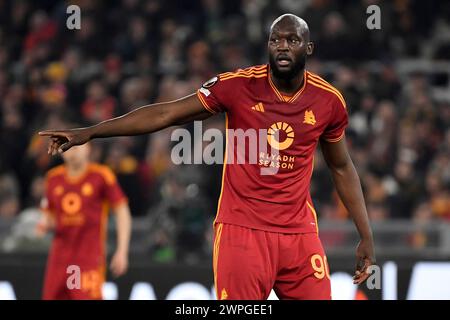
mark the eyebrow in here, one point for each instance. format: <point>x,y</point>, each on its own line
<point>287,34</point>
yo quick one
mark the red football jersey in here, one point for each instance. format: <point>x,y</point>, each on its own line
<point>80,208</point>
<point>278,201</point>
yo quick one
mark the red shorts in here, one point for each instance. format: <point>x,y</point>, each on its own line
<point>61,285</point>
<point>249,263</point>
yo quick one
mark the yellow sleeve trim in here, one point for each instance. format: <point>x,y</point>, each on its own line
<point>203,102</point>
<point>336,139</point>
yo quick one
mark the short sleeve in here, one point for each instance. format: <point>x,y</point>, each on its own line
<point>335,129</point>
<point>113,192</point>
<point>213,94</point>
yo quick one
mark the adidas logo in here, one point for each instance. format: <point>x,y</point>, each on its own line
<point>258,107</point>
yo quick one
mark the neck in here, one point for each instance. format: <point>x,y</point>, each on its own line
<point>76,170</point>
<point>288,86</point>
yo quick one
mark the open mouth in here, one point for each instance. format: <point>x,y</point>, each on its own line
<point>283,61</point>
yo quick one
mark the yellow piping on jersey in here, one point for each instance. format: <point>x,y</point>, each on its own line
<point>216,256</point>
<point>203,102</point>
<point>257,74</point>
<point>314,214</point>
<point>322,80</point>
<point>244,71</point>
<point>295,96</point>
<point>244,76</point>
<point>247,70</point>
<point>326,86</point>
<point>329,90</point>
<point>250,73</point>
<point>224,168</point>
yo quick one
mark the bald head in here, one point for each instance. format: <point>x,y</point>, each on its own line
<point>291,20</point>
<point>288,46</point>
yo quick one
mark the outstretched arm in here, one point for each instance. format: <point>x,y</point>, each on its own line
<point>349,189</point>
<point>143,120</point>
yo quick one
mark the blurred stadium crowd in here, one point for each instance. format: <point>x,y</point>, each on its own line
<point>129,53</point>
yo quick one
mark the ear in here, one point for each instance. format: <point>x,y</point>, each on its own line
<point>309,48</point>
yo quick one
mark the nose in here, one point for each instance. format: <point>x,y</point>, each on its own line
<point>283,45</point>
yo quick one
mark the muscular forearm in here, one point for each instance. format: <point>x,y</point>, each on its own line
<point>146,119</point>
<point>143,120</point>
<point>349,189</point>
<point>151,118</point>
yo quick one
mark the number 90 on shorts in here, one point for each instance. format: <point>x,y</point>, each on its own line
<point>320,266</point>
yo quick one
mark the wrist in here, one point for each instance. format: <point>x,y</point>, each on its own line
<point>367,237</point>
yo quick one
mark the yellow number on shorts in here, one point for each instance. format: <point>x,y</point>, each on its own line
<point>327,268</point>
<point>320,266</point>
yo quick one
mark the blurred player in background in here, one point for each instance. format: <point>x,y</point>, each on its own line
<point>266,233</point>
<point>78,197</point>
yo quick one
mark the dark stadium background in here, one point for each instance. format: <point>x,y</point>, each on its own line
<point>130,53</point>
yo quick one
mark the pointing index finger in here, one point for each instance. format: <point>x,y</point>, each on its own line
<point>50,133</point>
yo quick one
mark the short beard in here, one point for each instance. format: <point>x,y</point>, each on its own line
<point>287,75</point>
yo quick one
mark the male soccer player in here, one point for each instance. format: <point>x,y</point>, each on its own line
<point>266,232</point>
<point>76,205</point>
